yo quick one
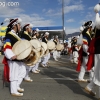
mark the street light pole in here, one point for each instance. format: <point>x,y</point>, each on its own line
<point>63,19</point>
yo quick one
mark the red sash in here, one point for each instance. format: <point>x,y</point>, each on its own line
<point>70,49</point>
<point>91,46</point>
<point>6,70</point>
<point>91,50</point>
<point>90,61</point>
<point>80,58</point>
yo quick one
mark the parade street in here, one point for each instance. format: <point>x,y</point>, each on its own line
<point>56,82</point>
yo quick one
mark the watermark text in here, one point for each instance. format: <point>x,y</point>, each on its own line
<point>12,4</point>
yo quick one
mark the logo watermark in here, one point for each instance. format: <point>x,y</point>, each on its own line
<point>10,4</point>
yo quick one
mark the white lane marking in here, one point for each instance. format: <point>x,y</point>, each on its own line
<point>68,79</point>
<point>65,58</point>
<point>60,61</point>
<point>59,78</point>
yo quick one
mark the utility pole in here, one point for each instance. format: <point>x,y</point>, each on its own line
<point>63,19</point>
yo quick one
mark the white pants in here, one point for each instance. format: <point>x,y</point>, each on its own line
<point>59,52</point>
<point>83,70</point>
<point>45,59</point>
<point>28,69</point>
<point>36,66</point>
<point>96,78</point>
<point>91,73</point>
<point>17,73</point>
<point>91,85</point>
<point>75,56</point>
<point>56,54</point>
<point>48,57</point>
<point>75,60</point>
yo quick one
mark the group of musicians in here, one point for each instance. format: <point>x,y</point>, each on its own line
<point>85,55</point>
<point>84,50</point>
<point>15,71</point>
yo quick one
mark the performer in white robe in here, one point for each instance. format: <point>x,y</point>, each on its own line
<point>96,78</point>
<point>46,57</point>
<point>86,42</point>
<point>17,69</point>
<point>69,50</point>
<point>27,29</point>
<point>75,51</point>
<point>35,68</point>
<point>55,52</point>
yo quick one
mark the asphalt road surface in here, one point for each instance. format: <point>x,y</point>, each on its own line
<point>56,82</point>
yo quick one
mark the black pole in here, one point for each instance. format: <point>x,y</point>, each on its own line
<point>63,19</point>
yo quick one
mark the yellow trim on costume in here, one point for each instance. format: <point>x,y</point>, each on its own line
<point>27,34</point>
<point>88,34</point>
<point>14,35</point>
<point>7,43</point>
